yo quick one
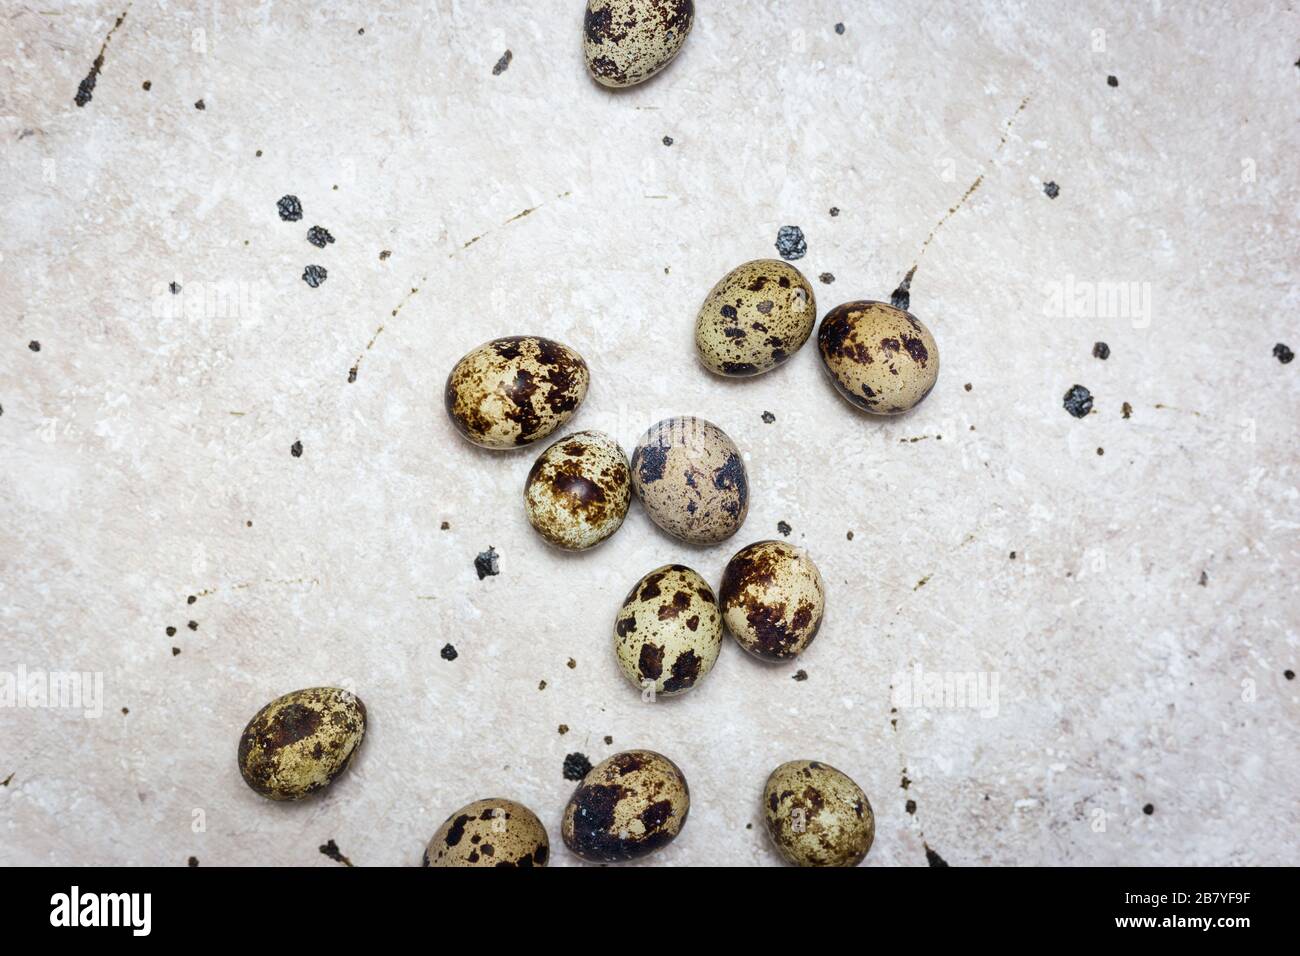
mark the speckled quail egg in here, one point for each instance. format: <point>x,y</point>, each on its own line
<point>817,816</point>
<point>668,633</point>
<point>625,807</point>
<point>772,599</point>
<point>578,491</point>
<point>492,832</point>
<point>625,42</point>
<point>690,477</point>
<point>515,390</point>
<point>299,743</point>
<point>880,358</point>
<point>756,317</point>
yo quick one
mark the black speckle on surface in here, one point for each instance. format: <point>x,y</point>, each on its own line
<point>848,535</point>
<point>1283,354</point>
<point>146,86</point>
<point>1100,452</point>
<point>200,105</point>
<point>1289,674</point>
<point>290,208</point>
<point>175,651</point>
<point>576,766</point>
<point>445,526</point>
<point>827,278</point>
<point>296,449</point>
<point>193,625</point>
<point>34,345</point>
<point>1078,401</point>
<point>1149,809</point>
<point>608,740</point>
<point>384,254</point>
<point>448,653</point>
<point>86,88</point>
<point>934,859</point>
<point>319,237</point>
<point>1012,556</point>
<point>562,729</point>
<point>487,564</point>
<point>910,806</point>
<point>1203,580</point>
<point>835,211</point>
<point>331,850</point>
<point>1126,409</point>
<point>1112,80</point>
<point>193,861</point>
<point>503,64</point>
<point>191,599</point>
<point>839,28</point>
<point>314,276</point>
<point>171,631</point>
<point>967,386</point>
<point>668,140</point>
<point>1052,190</point>
<point>258,154</point>
<point>790,242</point>
<point>784,528</point>
<point>800,675</point>
<point>768,417</point>
<point>571,664</point>
<point>1100,350</point>
<point>901,298</point>
<point>174,287</point>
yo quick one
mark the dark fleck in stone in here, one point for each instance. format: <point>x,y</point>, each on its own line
<point>193,861</point>
<point>175,287</point>
<point>448,653</point>
<point>446,526</point>
<point>384,254</point>
<point>910,806</point>
<point>193,625</point>
<point>934,859</point>
<point>331,850</point>
<point>486,564</point>
<point>839,28</point>
<point>571,664</point>
<point>563,729</point>
<point>967,386</point>
<point>191,599</point>
<point>784,528</point>
<point>1052,190</point>
<point>1204,579</point>
<point>319,237</point>
<point>1149,809</point>
<point>1013,556</point>
<point>290,208</point>
<point>1127,409</point>
<point>314,276</point>
<point>541,685</point>
<point>800,675</point>
<point>835,211</point>
<point>1101,351</point>
<point>34,345</point>
<point>827,278</point>
<point>1112,80</point>
<point>608,739</point>
<point>576,766</point>
<point>901,298</point>
<point>503,64</point>
<point>1283,354</point>
<point>258,154</point>
<point>171,631</point>
<point>1078,401</point>
<point>849,535</point>
<point>1100,452</point>
<point>296,449</point>
<point>1289,674</point>
<point>200,105</point>
<point>668,140</point>
<point>790,242</point>
<point>146,86</point>
<point>175,651</point>
<point>768,417</point>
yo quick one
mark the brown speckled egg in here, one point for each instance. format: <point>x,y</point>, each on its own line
<point>669,631</point>
<point>625,42</point>
<point>756,317</point>
<point>625,807</point>
<point>578,491</point>
<point>772,599</point>
<point>817,816</point>
<point>690,477</point>
<point>492,832</point>
<point>880,358</point>
<point>512,391</point>
<point>299,743</point>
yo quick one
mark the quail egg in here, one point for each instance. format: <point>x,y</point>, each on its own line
<point>578,491</point>
<point>625,807</point>
<point>690,477</point>
<point>772,599</point>
<point>817,816</point>
<point>515,390</point>
<point>756,317</point>
<point>492,832</point>
<point>625,42</point>
<point>880,358</point>
<point>299,743</point>
<point>668,632</point>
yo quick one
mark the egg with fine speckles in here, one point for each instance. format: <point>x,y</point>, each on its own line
<point>578,491</point>
<point>880,358</point>
<point>301,742</point>
<point>691,480</point>
<point>515,390</point>
<point>627,806</point>
<point>493,832</point>
<point>756,317</point>
<point>817,816</point>
<point>625,42</point>
<point>772,599</point>
<point>668,632</point>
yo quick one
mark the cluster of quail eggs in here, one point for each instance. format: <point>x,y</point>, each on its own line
<point>691,480</point>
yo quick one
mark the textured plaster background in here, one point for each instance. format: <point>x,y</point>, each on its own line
<point>1139,638</point>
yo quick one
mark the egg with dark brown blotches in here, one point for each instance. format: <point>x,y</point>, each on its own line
<point>756,317</point>
<point>880,358</point>
<point>578,491</point>
<point>513,391</point>
<point>493,832</point>
<point>627,806</point>
<point>691,480</point>
<point>301,742</point>
<point>668,632</point>
<point>625,42</point>
<point>817,816</point>
<point>772,599</point>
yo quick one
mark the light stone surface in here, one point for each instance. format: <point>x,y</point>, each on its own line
<point>150,429</point>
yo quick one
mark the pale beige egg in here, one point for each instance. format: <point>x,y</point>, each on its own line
<point>668,632</point>
<point>817,816</point>
<point>756,317</point>
<point>299,743</point>
<point>880,358</point>
<point>627,806</point>
<point>625,42</point>
<point>691,480</point>
<point>772,599</point>
<point>578,491</point>
<point>492,832</point>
